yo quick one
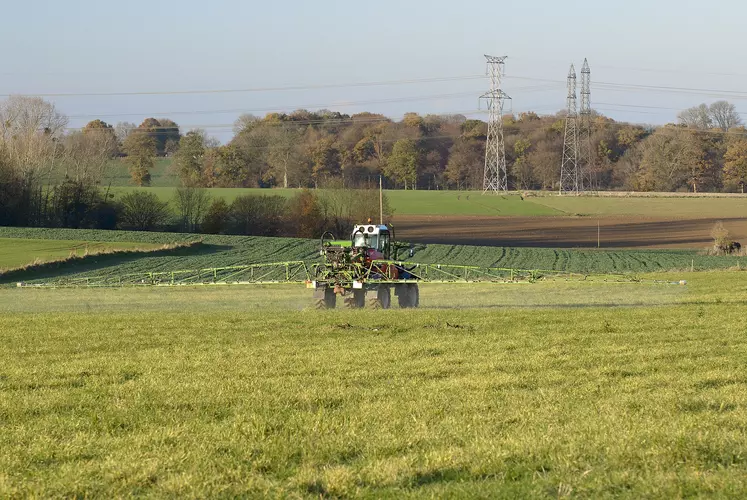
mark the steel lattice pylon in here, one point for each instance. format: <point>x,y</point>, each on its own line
<point>587,167</point>
<point>569,174</point>
<point>496,178</point>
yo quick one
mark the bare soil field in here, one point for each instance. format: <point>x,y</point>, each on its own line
<point>567,232</point>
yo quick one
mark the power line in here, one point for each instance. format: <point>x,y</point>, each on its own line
<point>255,89</point>
<point>305,106</point>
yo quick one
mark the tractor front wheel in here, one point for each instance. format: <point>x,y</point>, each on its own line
<point>355,299</point>
<point>383,299</point>
<point>329,301</point>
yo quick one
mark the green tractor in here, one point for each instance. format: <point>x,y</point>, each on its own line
<point>363,271</point>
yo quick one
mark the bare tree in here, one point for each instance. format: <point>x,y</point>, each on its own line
<point>30,129</point>
<point>284,151</point>
<point>123,129</point>
<point>21,115</point>
<point>193,204</point>
<point>724,115</point>
<point>696,117</point>
<point>245,122</point>
<point>86,156</point>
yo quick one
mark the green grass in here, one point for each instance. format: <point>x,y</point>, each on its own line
<point>16,252</point>
<point>163,183</point>
<point>646,206</point>
<point>402,202</point>
<point>475,203</point>
<point>160,176</point>
<point>109,393</point>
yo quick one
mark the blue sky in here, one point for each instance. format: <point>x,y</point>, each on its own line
<point>97,46</point>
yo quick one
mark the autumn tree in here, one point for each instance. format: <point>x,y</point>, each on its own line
<point>305,215</point>
<point>672,158</point>
<point>465,165</point>
<point>325,158</point>
<point>521,170</point>
<point>402,164</point>
<point>188,160</point>
<point>141,151</point>
<point>735,164</point>
<point>165,133</point>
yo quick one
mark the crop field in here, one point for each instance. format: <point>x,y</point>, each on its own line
<point>543,390</point>
<point>546,220</point>
<point>15,252</point>
<point>220,251</point>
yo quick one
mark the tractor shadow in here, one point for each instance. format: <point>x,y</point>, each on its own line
<point>96,262</point>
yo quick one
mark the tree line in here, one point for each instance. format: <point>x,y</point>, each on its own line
<point>705,151</point>
<point>50,175</point>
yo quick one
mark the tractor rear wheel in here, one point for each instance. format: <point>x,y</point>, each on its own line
<point>414,295</point>
<point>408,295</point>
<point>355,299</point>
<point>404,296</point>
<point>329,301</point>
<point>383,298</point>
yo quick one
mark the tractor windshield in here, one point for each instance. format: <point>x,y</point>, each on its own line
<point>365,240</point>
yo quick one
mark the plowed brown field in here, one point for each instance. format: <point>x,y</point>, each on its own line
<point>566,232</point>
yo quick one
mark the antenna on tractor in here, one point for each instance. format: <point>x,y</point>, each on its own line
<point>381,203</point>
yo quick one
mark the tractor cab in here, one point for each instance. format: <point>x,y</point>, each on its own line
<point>376,239</point>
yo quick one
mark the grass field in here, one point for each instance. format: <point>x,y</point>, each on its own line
<point>214,392</point>
<point>15,252</point>
<point>160,176</point>
<point>475,203</point>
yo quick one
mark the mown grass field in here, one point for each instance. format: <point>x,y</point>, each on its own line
<point>546,204</point>
<point>402,202</point>
<point>15,252</point>
<point>243,392</point>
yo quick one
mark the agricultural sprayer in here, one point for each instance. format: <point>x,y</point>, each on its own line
<point>365,270</point>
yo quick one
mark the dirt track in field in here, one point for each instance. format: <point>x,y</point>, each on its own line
<point>566,232</point>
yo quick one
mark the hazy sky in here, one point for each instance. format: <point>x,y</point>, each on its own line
<point>98,46</point>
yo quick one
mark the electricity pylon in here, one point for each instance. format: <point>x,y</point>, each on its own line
<point>496,178</point>
<point>569,175</point>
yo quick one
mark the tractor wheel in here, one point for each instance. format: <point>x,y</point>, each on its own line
<point>404,296</point>
<point>355,299</point>
<point>329,301</point>
<point>383,298</point>
<point>414,295</point>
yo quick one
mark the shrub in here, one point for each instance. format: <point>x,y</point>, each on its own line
<point>143,211</point>
<point>192,205</point>
<point>257,215</point>
<point>304,216</point>
<point>216,218</point>
<point>722,243</point>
